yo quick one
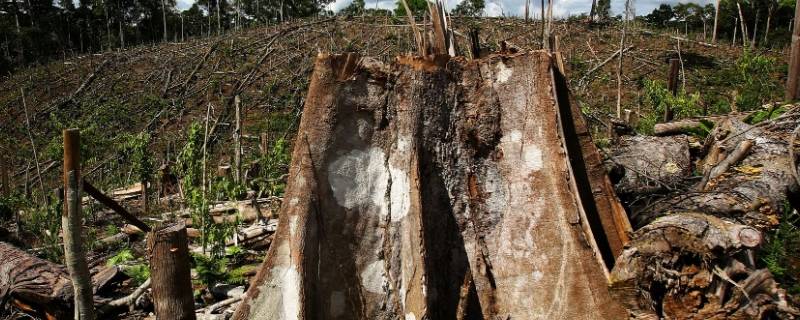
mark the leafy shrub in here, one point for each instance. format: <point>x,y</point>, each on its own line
<point>755,82</point>
<point>658,98</point>
<point>210,270</point>
<point>45,222</point>
<point>123,256</point>
<point>138,272</point>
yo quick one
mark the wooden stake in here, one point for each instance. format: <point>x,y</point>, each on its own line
<point>619,63</point>
<point>264,144</point>
<point>169,258</point>
<point>794,60</point>
<point>4,187</point>
<point>71,222</point>
<point>672,84</point>
<point>237,141</point>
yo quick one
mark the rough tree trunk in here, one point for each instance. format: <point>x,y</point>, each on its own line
<point>34,284</point>
<point>440,189</point>
<point>169,271</point>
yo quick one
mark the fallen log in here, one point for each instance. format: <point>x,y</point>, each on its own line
<point>682,266</point>
<point>113,205</point>
<point>645,165</point>
<point>419,190</point>
<point>694,256</point>
<point>34,284</point>
<point>751,187</point>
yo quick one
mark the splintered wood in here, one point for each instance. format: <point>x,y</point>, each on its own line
<point>441,188</point>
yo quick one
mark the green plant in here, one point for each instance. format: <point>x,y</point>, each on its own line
<point>235,254</point>
<point>134,150</point>
<point>659,98</point>
<point>46,223</point>
<point>768,113</point>
<point>210,270</point>
<point>138,272</point>
<point>123,256</point>
<point>111,230</point>
<point>225,188</point>
<point>237,275</point>
<point>273,168</point>
<point>780,251</point>
<point>755,81</point>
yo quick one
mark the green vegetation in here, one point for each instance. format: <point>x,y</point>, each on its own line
<point>45,222</point>
<point>131,266</point>
<point>780,252</point>
<point>658,98</point>
<point>469,8</point>
<point>210,271</point>
<point>418,7</point>
<point>747,84</point>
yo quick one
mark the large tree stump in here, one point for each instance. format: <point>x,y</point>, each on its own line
<point>436,189</point>
<point>170,273</point>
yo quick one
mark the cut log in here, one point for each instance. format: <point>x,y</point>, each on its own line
<point>646,165</point>
<point>170,273</point>
<point>433,189</point>
<point>753,190</point>
<point>682,266</point>
<point>690,265</point>
<point>36,283</point>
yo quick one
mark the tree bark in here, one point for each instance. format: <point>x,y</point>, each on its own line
<point>72,223</point>
<point>237,141</point>
<point>793,80</point>
<point>35,284</point>
<point>716,23</point>
<point>170,273</point>
<point>432,178</point>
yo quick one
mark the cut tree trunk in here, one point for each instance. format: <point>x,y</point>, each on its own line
<point>34,284</point>
<point>694,258</point>
<point>438,189</point>
<point>752,190</point>
<point>170,273</point>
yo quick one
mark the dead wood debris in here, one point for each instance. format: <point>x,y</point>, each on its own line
<point>693,254</point>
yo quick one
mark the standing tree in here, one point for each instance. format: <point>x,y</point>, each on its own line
<point>417,7</point>
<point>470,8</point>
<point>603,10</point>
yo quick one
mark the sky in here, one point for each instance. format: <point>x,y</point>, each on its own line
<point>494,8</point>
<point>562,8</point>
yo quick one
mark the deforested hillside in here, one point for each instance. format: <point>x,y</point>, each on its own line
<point>160,89</point>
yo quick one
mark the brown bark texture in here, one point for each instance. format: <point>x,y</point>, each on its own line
<point>170,273</point>
<point>694,257</point>
<point>439,188</point>
<point>34,284</point>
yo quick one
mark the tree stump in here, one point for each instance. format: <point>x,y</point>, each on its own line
<point>170,273</point>
<point>438,188</point>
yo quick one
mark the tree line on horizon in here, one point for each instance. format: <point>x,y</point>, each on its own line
<point>34,31</point>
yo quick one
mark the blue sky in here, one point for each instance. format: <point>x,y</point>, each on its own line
<point>514,7</point>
